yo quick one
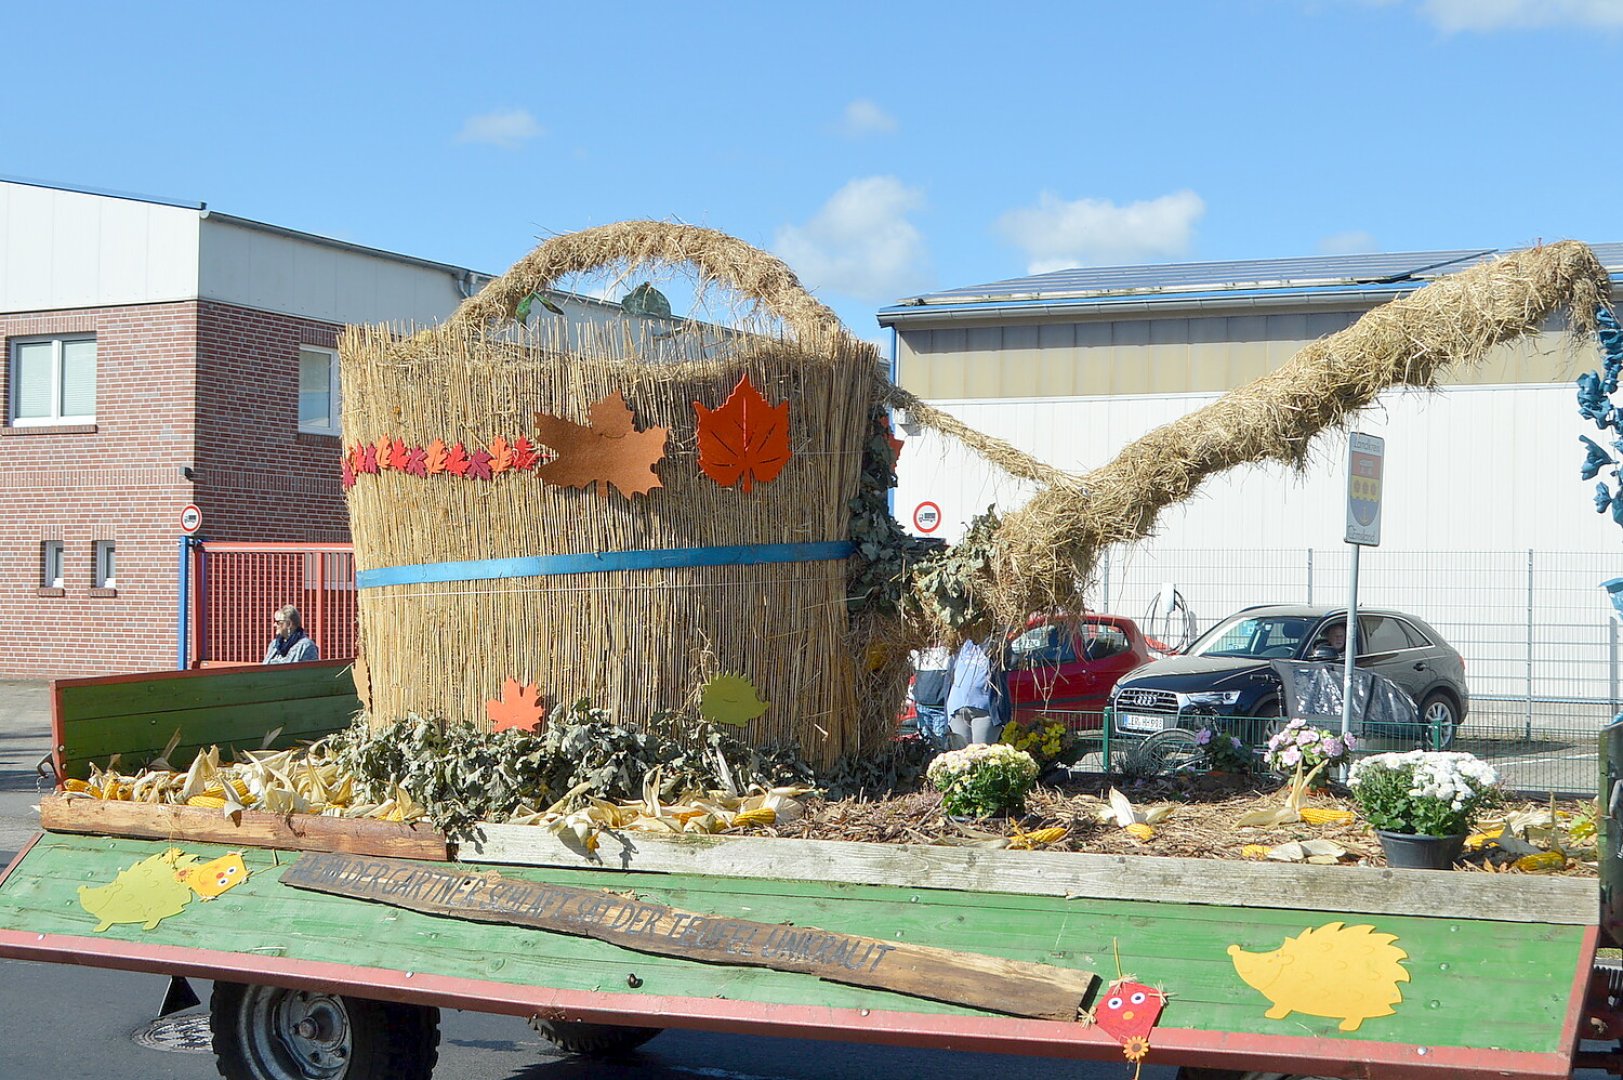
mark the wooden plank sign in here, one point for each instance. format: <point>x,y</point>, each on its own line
<point>992,983</point>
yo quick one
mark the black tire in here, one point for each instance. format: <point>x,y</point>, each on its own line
<point>1439,721</point>
<point>267,1033</point>
<point>592,1040</point>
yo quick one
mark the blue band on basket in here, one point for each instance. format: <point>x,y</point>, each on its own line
<point>653,559</point>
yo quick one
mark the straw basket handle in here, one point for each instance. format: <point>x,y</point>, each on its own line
<point>750,271</point>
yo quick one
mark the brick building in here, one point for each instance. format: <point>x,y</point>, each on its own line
<point>160,354</point>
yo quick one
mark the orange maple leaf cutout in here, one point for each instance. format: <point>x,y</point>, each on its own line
<point>384,445</point>
<point>746,439</point>
<point>608,450</point>
<point>434,457</point>
<point>519,707</point>
<point>501,456</point>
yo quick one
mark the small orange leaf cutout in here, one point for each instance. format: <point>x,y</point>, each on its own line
<point>384,445</point>
<point>519,707</point>
<point>746,439</point>
<point>609,450</point>
<point>501,456</point>
<point>434,457</point>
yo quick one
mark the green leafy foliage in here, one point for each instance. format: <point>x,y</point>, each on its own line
<point>463,775</point>
<point>885,554</point>
<point>946,580</point>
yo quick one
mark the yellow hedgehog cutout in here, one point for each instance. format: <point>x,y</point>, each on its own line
<point>1348,973</point>
<point>160,886</point>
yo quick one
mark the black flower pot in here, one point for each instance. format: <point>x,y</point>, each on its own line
<point>1413,851</point>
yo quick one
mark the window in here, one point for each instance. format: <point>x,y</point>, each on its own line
<point>106,578</point>
<point>50,561</point>
<point>318,391</point>
<point>1381,635</point>
<point>53,381</point>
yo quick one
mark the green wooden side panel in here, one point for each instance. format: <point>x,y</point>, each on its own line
<point>1474,984</point>
<point>234,709</point>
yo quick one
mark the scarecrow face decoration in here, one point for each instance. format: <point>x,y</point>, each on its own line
<point>1128,1011</point>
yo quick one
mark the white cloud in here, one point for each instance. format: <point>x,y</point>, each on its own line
<point>504,128</point>
<point>860,244</point>
<point>863,117</point>
<point>1351,242</point>
<point>1057,235</point>
<point>1488,15</point>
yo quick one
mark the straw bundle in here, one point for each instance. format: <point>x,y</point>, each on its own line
<point>1045,553</point>
<point>640,643</point>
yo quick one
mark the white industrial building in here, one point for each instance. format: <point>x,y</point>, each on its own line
<point>1487,530</point>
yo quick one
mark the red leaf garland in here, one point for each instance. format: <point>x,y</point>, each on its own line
<point>501,456</point>
<point>417,462</point>
<point>456,461</point>
<point>524,453</point>
<point>349,472</point>
<point>479,466</point>
<point>397,455</point>
<point>434,457</point>
<point>369,459</point>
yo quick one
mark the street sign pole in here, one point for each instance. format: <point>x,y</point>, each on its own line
<point>1366,455</point>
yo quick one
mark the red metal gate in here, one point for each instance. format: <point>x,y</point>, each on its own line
<point>236,587</point>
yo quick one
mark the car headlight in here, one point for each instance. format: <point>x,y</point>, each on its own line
<point>1213,697</point>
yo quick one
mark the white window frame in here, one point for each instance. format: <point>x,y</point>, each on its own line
<point>52,556</point>
<point>334,392</point>
<point>106,564</point>
<point>56,342</point>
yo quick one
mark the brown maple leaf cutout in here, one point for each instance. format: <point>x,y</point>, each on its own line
<point>609,450</point>
<point>519,707</point>
<point>746,439</point>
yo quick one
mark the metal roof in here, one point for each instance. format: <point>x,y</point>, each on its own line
<point>1375,277</point>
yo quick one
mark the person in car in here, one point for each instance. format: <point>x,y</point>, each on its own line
<point>978,701</point>
<point>290,645</point>
<point>1334,637</point>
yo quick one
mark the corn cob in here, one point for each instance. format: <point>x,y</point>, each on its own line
<point>1254,851</point>
<point>1140,830</point>
<point>79,785</point>
<point>212,802</point>
<point>761,815</point>
<point>1544,860</point>
<point>1320,815</point>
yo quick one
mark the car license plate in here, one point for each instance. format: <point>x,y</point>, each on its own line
<point>1140,722</point>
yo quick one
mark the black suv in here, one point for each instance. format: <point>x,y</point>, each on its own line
<point>1226,671</point>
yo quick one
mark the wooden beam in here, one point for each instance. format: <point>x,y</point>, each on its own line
<point>1014,987</point>
<point>1522,898</point>
<point>252,828</point>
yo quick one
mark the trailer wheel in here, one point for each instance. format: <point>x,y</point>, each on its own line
<point>267,1033</point>
<point>592,1040</point>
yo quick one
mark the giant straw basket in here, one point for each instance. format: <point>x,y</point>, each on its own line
<point>460,590</point>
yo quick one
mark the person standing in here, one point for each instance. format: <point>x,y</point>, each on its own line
<point>291,645</point>
<point>932,678</point>
<point>977,703</point>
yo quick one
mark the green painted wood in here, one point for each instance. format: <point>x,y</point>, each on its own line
<point>230,709</point>
<point>91,698</point>
<point>1478,984</point>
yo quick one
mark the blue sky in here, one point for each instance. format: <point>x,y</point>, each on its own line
<point>883,148</point>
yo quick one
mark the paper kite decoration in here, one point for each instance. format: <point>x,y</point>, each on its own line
<point>1346,973</point>
<point>1127,1013</point>
<point>608,450</point>
<point>730,699</point>
<point>745,440</point>
<point>519,707</point>
<point>160,886</point>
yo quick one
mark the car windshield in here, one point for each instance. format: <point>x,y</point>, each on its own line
<point>1258,636</point>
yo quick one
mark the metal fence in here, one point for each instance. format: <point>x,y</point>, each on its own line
<point>236,586</point>
<point>1535,629</point>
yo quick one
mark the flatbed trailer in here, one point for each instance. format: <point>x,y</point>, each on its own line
<point>1499,974</point>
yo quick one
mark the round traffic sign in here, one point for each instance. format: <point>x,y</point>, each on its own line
<point>927,517</point>
<point>191,519</point>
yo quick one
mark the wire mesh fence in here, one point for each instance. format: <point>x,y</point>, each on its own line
<point>1535,628</point>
